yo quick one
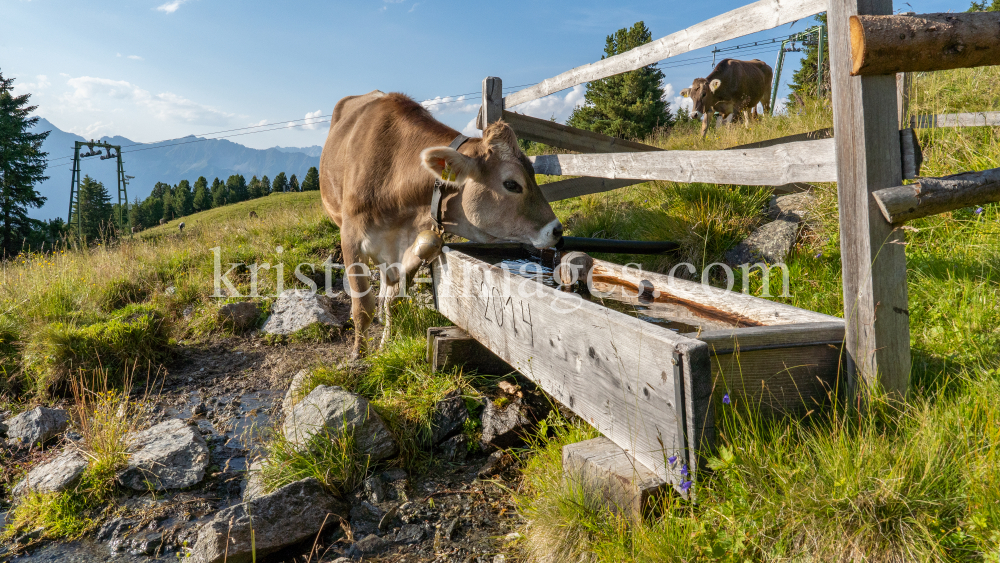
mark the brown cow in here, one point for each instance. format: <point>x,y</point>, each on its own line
<point>377,173</point>
<point>733,87</point>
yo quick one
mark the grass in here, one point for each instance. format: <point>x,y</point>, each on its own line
<point>901,482</point>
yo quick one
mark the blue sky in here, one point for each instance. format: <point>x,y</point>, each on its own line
<point>159,69</point>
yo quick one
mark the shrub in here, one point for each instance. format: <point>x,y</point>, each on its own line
<point>120,292</point>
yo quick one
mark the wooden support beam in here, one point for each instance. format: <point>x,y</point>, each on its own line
<point>492,108</point>
<point>584,185</point>
<point>904,83</point>
<point>872,252</point>
<point>981,119</point>
<point>804,161</point>
<point>938,195</point>
<point>603,470</point>
<point>759,16</point>
<point>449,347</point>
<point>569,138</point>
<point>887,44</point>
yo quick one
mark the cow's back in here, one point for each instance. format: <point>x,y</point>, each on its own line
<point>749,80</point>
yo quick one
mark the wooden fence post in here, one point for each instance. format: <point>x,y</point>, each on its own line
<point>492,108</point>
<point>872,251</point>
<point>903,83</point>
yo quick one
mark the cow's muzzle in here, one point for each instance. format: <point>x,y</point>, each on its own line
<point>550,235</point>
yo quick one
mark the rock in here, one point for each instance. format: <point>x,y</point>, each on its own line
<point>495,463</point>
<point>170,455</point>
<point>334,410</point>
<point>410,534</point>
<point>288,516</point>
<point>296,309</point>
<point>241,316</point>
<point>294,393</point>
<point>365,517</point>
<point>449,528</point>
<point>449,415</point>
<point>374,489</point>
<point>455,448</point>
<point>53,476</point>
<point>386,522</point>
<point>200,409</point>
<point>505,427</point>
<point>368,545</point>
<point>393,474</point>
<point>3,429</point>
<point>36,426</point>
<point>253,486</point>
<point>791,206</point>
<point>770,243</point>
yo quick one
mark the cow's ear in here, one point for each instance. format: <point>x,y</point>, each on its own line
<point>714,84</point>
<point>447,164</point>
<point>686,93</point>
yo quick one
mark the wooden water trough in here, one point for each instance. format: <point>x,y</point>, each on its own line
<point>652,389</point>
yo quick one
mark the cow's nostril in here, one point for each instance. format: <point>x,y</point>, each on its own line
<point>557,230</point>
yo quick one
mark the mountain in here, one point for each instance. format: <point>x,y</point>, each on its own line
<point>314,150</point>
<point>168,161</point>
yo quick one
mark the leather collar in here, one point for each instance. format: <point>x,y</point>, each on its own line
<point>437,213</point>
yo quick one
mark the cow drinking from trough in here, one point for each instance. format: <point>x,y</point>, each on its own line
<point>732,88</point>
<point>377,180</point>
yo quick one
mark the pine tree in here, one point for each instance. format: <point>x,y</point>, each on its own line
<point>804,79</point>
<point>219,195</point>
<point>265,185</point>
<point>280,184</point>
<point>985,6</point>
<point>293,184</point>
<point>628,105</point>
<point>202,198</point>
<point>22,164</point>
<point>311,181</point>
<point>93,208</point>
<point>253,188</point>
<point>183,199</point>
<point>236,188</point>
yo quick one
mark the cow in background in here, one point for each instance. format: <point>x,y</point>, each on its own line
<point>377,173</point>
<point>732,88</point>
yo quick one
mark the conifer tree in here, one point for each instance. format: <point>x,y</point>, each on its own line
<point>629,105</point>
<point>253,188</point>
<point>311,181</point>
<point>293,184</point>
<point>236,188</point>
<point>804,79</point>
<point>280,184</point>
<point>202,199</point>
<point>183,199</point>
<point>265,185</point>
<point>219,195</point>
<point>94,209</point>
<point>22,164</point>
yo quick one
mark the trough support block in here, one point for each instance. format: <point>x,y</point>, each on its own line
<point>450,346</point>
<point>605,471</point>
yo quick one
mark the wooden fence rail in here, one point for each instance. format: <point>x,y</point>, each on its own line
<point>979,119</point>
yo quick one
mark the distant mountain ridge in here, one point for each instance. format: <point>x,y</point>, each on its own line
<point>178,159</point>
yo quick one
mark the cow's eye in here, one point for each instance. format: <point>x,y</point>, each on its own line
<point>512,186</point>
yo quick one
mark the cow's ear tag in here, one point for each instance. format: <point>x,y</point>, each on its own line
<point>447,174</point>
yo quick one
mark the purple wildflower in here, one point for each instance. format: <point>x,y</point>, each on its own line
<point>979,210</point>
<point>685,486</point>
<point>672,459</point>
<point>684,470</point>
<point>819,255</point>
<point>725,399</point>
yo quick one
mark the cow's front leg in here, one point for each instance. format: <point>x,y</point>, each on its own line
<point>358,285</point>
<point>705,120</point>
<point>396,280</point>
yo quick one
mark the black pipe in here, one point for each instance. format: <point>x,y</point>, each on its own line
<point>580,244</point>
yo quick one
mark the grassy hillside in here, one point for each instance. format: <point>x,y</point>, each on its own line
<point>913,482</point>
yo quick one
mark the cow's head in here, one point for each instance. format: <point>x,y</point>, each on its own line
<point>702,93</point>
<point>497,198</point>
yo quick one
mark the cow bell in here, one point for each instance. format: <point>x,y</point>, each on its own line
<point>428,245</point>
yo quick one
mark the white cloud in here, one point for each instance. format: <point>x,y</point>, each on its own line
<point>258,124</point>
<point>171,7</point>
<point>470,129</point>
<point>135,57</point>
<point>93,94</point>
<point>413,7</point>
<point>93,131</point>
<point>681,102</point>
<point>556,106</point>
<point>450,104</point>
<point>313,120</point>
<point>41,82</point>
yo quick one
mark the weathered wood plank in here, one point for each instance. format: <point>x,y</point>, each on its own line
<point>887,44</point>
<point>804,161</point>
<point>872,257</point>
<point>569,138</point>
<point>826,133</point>
<point>981,119</point>
<point>759,16</point>
<point>931,196</point>
<point>492,108</point>
<point>904,83</point>
<point>603,469</point>
<point>584,185</point>
<point>449,347</point>
<point>637,383</point>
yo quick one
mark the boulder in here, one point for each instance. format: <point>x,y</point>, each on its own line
<point>296,309</point>
<point>455,448</point>
<point>770,243</point>
<point>53,476</point>
<point>505,427</point>
<point>375,489</point>
<point>36,426</point>
<point>449,416</point>
<point>241,316</point>
<point>334,410</point>
<point>294,393</point>
<point>410,534</point>
<point>286,517</point>
<point>170,455</point>
<point>365,518</point>
<point>791,206</point>
<point>368,545</point>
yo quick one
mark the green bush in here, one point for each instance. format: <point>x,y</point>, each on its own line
<point>120,292</point>
<point>135,337</point>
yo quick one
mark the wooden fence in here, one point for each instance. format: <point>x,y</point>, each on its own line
<point>868,154</point>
